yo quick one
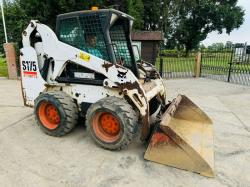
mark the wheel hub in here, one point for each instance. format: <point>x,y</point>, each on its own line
<point>106,126</point>
<point>52,114</point>
<point>109,124</point>
<point>48,115</point>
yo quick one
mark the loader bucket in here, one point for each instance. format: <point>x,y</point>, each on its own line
<point>183,139</point>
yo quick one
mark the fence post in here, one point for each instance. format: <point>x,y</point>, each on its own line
<point>10,54</point>
<point>230,66</point>
<point>161,66</point>
<point>197,67</point>
<point>229,71</point>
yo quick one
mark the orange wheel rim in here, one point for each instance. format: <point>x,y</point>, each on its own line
<point>106,126</point>
<point>48,115</point>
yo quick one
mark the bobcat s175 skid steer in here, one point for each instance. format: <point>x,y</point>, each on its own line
<point>88,68</point>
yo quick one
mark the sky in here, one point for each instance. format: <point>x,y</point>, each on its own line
<point>240,35</point>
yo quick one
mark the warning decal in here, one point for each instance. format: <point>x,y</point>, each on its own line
<point>84,57</point>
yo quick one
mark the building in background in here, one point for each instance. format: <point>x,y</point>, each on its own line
<point>241,53</point>
<point>148,43</point>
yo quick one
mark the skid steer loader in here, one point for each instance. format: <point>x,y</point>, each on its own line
<point>88,68</point>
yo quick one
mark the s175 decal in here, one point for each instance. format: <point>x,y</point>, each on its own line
<point>29,69</point>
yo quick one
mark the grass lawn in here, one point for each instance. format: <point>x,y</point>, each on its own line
<point>213,64</point>
<point>3,68</point>
<point>176,64</point>
<point>182,64</point>
<point>220,65</point>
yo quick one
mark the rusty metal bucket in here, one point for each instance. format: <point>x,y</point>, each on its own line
<point>184,138</point>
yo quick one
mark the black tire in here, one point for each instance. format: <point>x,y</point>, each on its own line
<point>66,108</point>
<point>123,112</point>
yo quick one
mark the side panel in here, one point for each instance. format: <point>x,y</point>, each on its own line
<point>89,93</point>
<point>32,81</point>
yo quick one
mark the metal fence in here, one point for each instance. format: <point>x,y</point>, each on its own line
<point>228,64</point>
<point>177,66</point>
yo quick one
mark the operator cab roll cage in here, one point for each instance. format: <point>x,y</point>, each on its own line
<point>112,29</point>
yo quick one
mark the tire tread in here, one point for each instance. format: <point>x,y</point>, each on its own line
<point>129,116</point>
<point>69,107</point>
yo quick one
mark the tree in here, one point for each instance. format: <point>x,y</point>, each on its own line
<point>185,22</point>
<point>229,45</point>
<point>15,18</point>
<point>152,14</point>
<point>135,8</point>
<point>116,4</point>
<point>46,11</point>
<point>197,18</point>
<point>18,14</point>
<point>218,46</point>
<point>202,47</point>
<point>171,21</point>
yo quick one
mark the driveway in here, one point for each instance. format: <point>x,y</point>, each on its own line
<point>28,157</point>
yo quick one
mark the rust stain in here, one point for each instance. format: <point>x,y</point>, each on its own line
<point>119,66</point>
<point>153,73</point>
<point>49,85</point>
<point>107,66</point>
<point>146,126</point>
<point>130,86</point>
<point>141,66</point>
<point>159,138</point>
<point>145,119</point>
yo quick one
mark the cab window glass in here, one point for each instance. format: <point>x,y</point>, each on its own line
<point>86,34</point>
